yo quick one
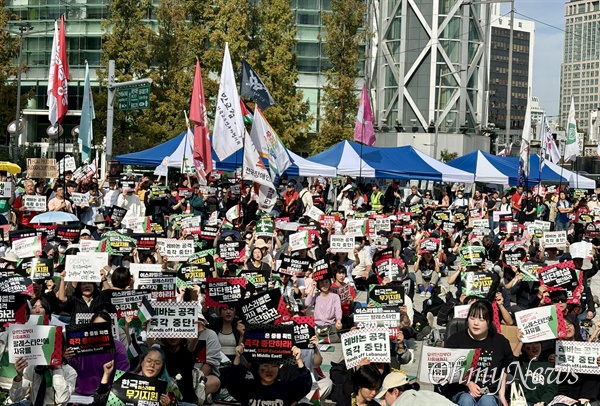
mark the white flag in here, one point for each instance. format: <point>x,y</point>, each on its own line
<point>598,149</point>
<point>572,140</point>
<point>525,141</point>
<point>269,145</point>
<point>548,145</point>
<point>51,103</point>
<point>228,131</point>
<point>255,170</point>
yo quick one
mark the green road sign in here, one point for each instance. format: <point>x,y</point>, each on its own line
<point>134,98</point>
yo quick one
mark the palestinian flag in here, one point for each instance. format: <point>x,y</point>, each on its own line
<point>134,350</point>
<point>246,113</point>
<point>145,311</point>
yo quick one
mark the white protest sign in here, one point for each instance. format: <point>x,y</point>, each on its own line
<point>542,225</point>
<point>88,245</point>
<point>136,268</point>
<point>555,239</point>
<point>498,213</point>
<point>355,227</point>
<point>189,222</point>
<point>461,312</point>
<point>173,320</point>
<point>579,357</point>
<point>538,324</point>
<point>67,164</point>
<point>299,240</point>
<point>80,199</point>
<point>213,220</point>
<point>176,250</point>
<point>480,223</point>
<point>382,224</point>
<point>135,223</point>
<point>35,344</point>
<point>5,189</point>
<point>341,243</point>
<point>34,203</point>
<point>582,249</point>
<point>85,267</point>
<point>27,247</point>
<point>315,213</point>
<point>443,365</point>
<point>371,343</point>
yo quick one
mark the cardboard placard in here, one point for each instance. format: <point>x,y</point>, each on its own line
<point>127,302</point>
<point>174,320</point>
<point>90,339</point>
<point>161,285</point>
<point>315,213</point>
<point>230,250</point>
<point>371,343</point>
<point>85,267</point>
<point>299,240</point>
<point>356,228</point>
<point>380,295</point>
<point>80,199</point>
<point>391,268</point>
<point>294,265</point>
<point>175,250</point>
<point>222,291</point>
<point>264,308</point>
<point>38,345</point>
<point>139,225</point>
<point>304,329</point>
<point>34,203</point>
<point>541,323</point>
<point>461,312</point>
<point>5,189</point>
<point>555,239</point>
<point>130,389</point>
<point>27,247</point>
<point>341,243</point>
<point>444,365</point>
<point>13,307</point>
<point>578,357</point>
<point>371,317</point>
<point>42,168</point>
<point>266,343</point>
<point>563,276</point>
<point>320,270</point>
<point>88,245</point>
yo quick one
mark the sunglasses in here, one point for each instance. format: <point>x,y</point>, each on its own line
<point>559,300</point>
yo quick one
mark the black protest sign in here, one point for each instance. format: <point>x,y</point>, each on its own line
<point>304,329</point>
<point>48,230</point>
<point>193,274</point>
<point>90,339</point>
<point>477,283</point>
<point>441,215</point>
<point>384,254</point>
<point>320,270</point>
<point>259,279</point>
<point>129,389</point>
<point>16,284</point>
<point>20,234</point>
<point>116,214</point>
<point>514,258</point>
<point>585,218</point>
<point>416,210</point>
<point>145,242</point>
<point>592,229</point>
<point>160,284</point>
<point>127,302</point>
<point>230,250</point>
<point>430,245</point>
<point>563,276</point>
<point>114,169</point>
<point>268,343</point>
<point>159,192</point>
<point>41,268</point>
<point>220,292</point>
<point>380,295</point>
<point>295,265</point>
<point>116,243</point>
<point>391,269</point>
<point>13,308</point>
<point>264,308</point>
<point>68,233</point>
<point>209,233</point>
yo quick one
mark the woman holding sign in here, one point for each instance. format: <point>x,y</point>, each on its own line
<point>484,383</point>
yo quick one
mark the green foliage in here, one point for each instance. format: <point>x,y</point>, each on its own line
<point>447,156</point>
<point>340,101</point>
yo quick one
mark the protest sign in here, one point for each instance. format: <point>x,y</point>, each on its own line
<point>542,225</point>
<point>139,225</point>
<point>314,213</point>
<point>498,214</point>
<point>222,291</point>
<point>299,240</point>
<point>356,228</point>
<point>174,320</point>
<point>27,247</point>
<point>159,192</point>
<point>5,189</point>
<point>16,284</point>
<point>444,365</point>
<point>343,292</point>
<point>582,249</point>
<point>430,245</point>
<point>88,245</point>
<point>563,276</point>
<point>161,285</point>
<point>38,345</point>
<point>175,250</point>
<point>41,268</point>
<point>34,203</point>
<point>90,339</point>
<point>341,243</point>
<point>230,250</point>
<point>541,323</point>
<point>265,343</point>
<point>199,266</point>
<point>13,307</point>
<point>265,227</point>
<point>320,270</point>
<point>145,242</point>
<point>85,267</point>
<point>448,227</point>
<point>384,254</point>
<point>578,357</point>
<point>116,214</point>
<point>68,233</point>
<point>130,389</point>
<point>391,268</point>
<point>259,279</point>
<point>441,216</point>
<point>80,199</point>
<point>370,317</point>
<point>264,308</point>
<point>371,343</point>
<point>209,232</point>
<point>530,272</point>
<point>116,243</point>
<point>67,164</point>
<point>294,265</point>
<point>555,239</point>
<point>45,168</point>
<point>127,302</point>
<point>472,255</point>
<point>461,312</point>
<point>382,224</point>
<point>380,295</point>
<point>477,283</point>
<point>304,329</point>
<point>190,222</point>
<point>592,229</point>
<point>328,220</point>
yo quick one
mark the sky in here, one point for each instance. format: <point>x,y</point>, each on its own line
<point>548,47</point>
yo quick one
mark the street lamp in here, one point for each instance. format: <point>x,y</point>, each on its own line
<point>439,107</point>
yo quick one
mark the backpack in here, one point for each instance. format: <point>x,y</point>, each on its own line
<point>300,204</point>
<point>341,378</point>
<point>445,313</point>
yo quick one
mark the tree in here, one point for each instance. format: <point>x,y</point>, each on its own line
<point>447,156</point>
<point>272,56</point>
<point>340,101</point>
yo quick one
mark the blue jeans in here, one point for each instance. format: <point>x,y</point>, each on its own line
<point>558,226</point>
<point>465,399</point>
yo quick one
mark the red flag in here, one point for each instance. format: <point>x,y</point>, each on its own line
<point>61,73</point>
<point>202,149</point>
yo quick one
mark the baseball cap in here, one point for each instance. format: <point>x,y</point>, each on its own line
<point>391,381</point>
<point>85,231</point>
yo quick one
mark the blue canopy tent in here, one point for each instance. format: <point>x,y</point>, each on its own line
<point>352,159</point>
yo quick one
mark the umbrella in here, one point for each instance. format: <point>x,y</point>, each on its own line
<point>10,167</point>
<point>54,217</point>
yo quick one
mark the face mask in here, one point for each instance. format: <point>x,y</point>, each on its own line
<point>459,196</point>
<point>280,238</point>
<point>100,226</point>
